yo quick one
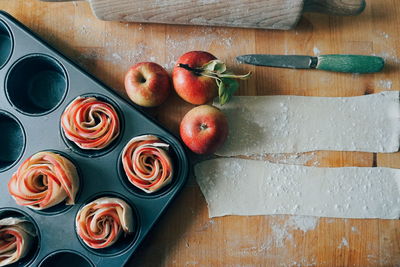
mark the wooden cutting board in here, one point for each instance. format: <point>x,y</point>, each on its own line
<point>185,236</point>
<point>262,14</point>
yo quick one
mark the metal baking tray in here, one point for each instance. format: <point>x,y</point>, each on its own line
<point>37,84</point>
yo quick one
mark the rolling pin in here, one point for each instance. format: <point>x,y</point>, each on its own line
<point>261,14</point>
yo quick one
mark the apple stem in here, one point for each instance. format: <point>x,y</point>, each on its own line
<point>199,71</point>
<point>225,80</point>
<point>196,71</point>
<point>203,126</point>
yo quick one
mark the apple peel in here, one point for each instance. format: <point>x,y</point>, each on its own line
<point>16,239</point>
<point>44,180</point>
<point>147,164</point>
<point>90,123</point>
<point>101,222</point>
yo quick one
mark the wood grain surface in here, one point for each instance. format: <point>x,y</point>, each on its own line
<point>335,7</point>
<point>262,14</point>
<point>185,236</point>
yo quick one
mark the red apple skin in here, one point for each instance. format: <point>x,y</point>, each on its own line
<point>147,84</point>
<point>204,129</point>
<point>195,89</point>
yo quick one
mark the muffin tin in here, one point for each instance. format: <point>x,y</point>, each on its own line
<point>37,84</point>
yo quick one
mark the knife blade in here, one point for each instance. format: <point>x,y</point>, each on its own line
<point>337,63</point>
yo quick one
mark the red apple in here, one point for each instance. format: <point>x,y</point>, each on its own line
<point>204,129</point>
<point>192,87</point>
<point>147,84</point>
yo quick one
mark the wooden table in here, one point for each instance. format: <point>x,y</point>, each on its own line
<point>185,236</point>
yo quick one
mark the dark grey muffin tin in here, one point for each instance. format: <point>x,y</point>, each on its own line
<point>37,84</point>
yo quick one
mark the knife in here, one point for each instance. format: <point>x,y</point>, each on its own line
<point>336,63</point>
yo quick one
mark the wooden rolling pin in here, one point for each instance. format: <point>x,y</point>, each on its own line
<point>262,14</point>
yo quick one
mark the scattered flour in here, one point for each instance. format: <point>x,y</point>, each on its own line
<point>384,35</point>
<point>128,57</point>
<point>316,51</point>
<point>387,50</point>
<point>83,30</point>
<point>191,263</point>
<point>116,56</point>
<point>385,84</point>
<point>354,229</point>
<point>117,52</point>
<point>303,223</point>
<point>330,220</point>
<point>282,232</point>
<point>389,57</point>
<point>202,38</point>
<point>303,263</point>
<point>382,260</point>
<point>344,243</point>
<point>276,243</point>
<point>206,225</point>
<point>207,2</point>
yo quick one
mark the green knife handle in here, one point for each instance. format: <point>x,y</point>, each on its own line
<point>350,63</point>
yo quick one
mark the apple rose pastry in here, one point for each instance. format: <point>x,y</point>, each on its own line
<point>147,164</point>
<point>90,123</point>
<point>16,239</point>
<point>44,180</point>
<point>101,222</point>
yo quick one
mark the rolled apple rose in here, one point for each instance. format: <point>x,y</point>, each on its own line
<point>16,239</point>
<point>101,222</point>
<point>147,164</point>
<point>44,180</point>
<point>90,123</point>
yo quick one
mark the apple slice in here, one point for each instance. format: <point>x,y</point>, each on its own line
<point>16,239</point>
<point>147,164</point>
<point>101,222</point>
<point>44,180</point>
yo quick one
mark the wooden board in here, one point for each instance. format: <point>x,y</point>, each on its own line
<point>185,236</point>
<point>261,14</point>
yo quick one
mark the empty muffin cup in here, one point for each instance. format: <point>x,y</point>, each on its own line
<point>12,140</point>
<point>66,258</point>
<point>6,44</point>
<point>36,84</point>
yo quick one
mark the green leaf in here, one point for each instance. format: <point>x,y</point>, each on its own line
<point>226,89</point>
<point>221,88</point>
<point>215,66</point>
<point>225,80</point>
